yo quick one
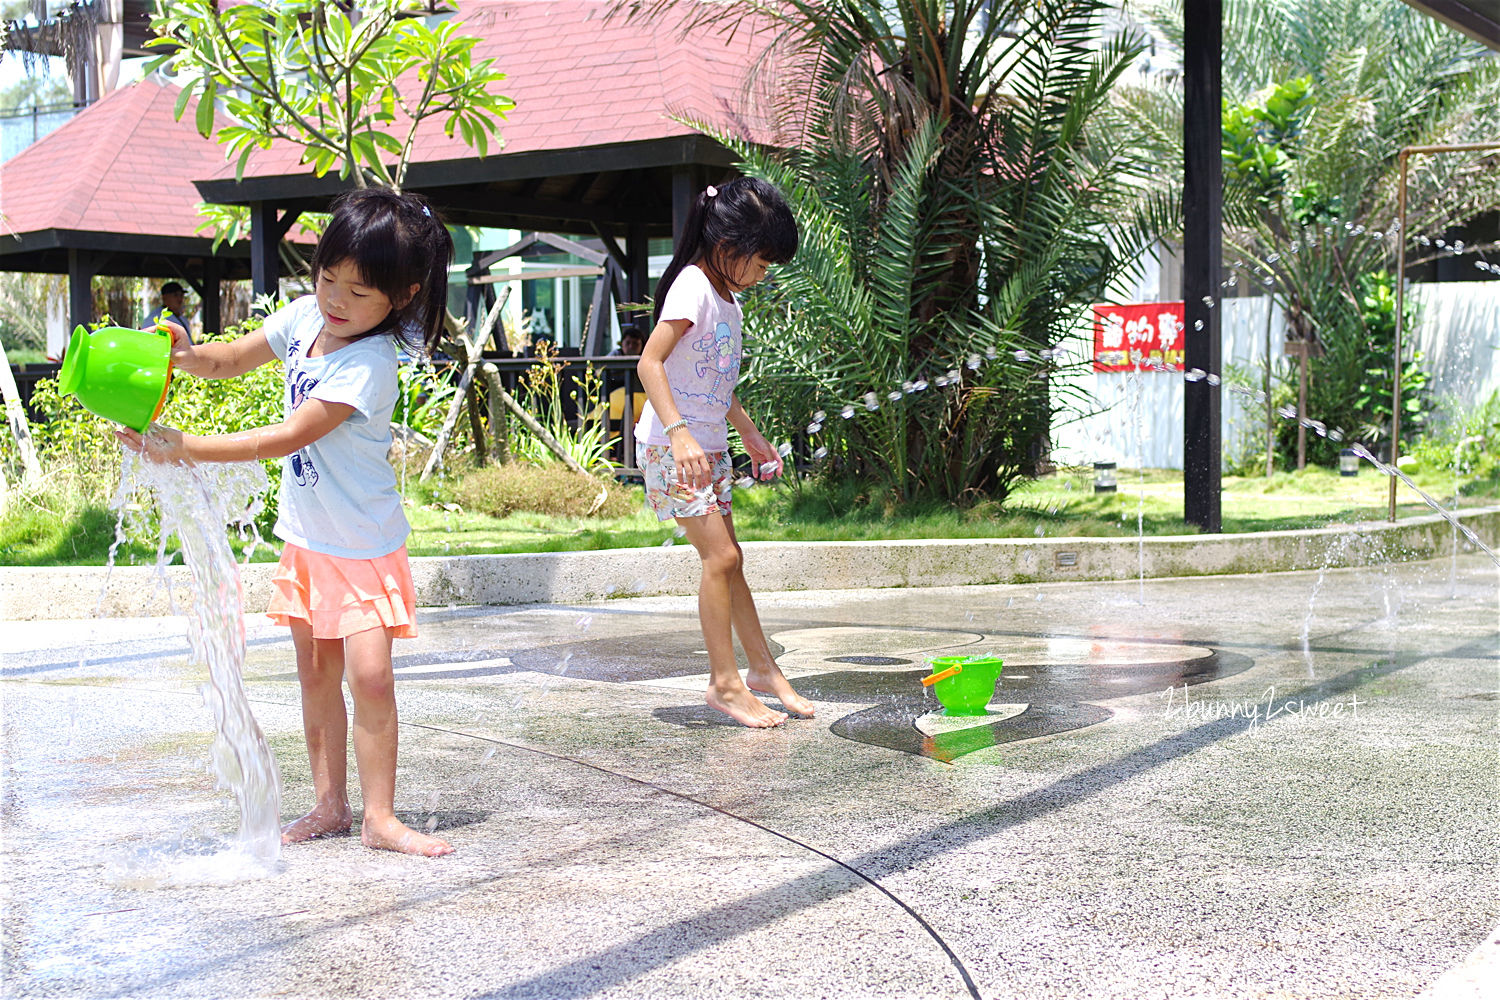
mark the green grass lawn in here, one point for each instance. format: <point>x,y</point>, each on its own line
<point>1063,505</point>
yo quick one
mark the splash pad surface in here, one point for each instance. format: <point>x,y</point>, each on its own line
<point>1241,786</point>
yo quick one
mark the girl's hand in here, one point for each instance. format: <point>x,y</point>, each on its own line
<point>693,468</point>
<point>161,445</point>
<point>182,345</point>
<point>765,460</point>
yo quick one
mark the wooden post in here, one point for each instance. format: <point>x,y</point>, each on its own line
<point>474,348</point>
<point>15,415</point>
<point>1405,160</point>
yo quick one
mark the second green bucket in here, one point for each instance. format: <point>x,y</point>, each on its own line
<point>964,684</point>
<point>118,373</point>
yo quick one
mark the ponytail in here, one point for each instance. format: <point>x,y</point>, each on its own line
<point>741,218</point>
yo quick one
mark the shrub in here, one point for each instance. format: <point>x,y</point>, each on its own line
<point>551,489</point>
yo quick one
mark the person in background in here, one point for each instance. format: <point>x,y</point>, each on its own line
<point>173,307</point>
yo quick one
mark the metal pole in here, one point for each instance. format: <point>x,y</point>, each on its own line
<point>1404,159</point>
<point>1202,255</point>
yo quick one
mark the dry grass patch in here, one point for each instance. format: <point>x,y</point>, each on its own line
<point>551,489</point>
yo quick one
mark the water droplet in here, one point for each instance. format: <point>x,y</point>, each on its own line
<point>893,395</point>
<point>584,621</point>
<point>819,417</point>
<point>784,449</point>
<point>669,543</point>
<point>1377,234</point>
<point>433,798</point>
<point>1458,246</point>
<point>744,482</point>
<point>871,402</point>
<point>1335,435</point>
<point>1442,244</point>
<point>1424,241</point>
<point>991,354</point>
<point>487,755</point>
<point>679,532</point>
<point>821,453</point>
<point>1208,300</point>
<point>847,412</point>
<point>1287,410</point>
<point>974,362</point>
<point>1040,531</point>
<point>1194,374</point>
<point>920,384</point>
<point>1023,356</point>
<point>1197,324</point>
<point>431,823</point>
<point>814,427</point>
<point>1212,379</point>
<point>1273,258</point>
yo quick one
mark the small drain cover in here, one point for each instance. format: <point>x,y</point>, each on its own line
<point>869,661</point>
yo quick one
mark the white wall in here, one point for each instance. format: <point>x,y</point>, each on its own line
<point>1135,418</point>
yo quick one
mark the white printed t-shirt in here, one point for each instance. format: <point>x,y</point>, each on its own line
<point>704,367</point>
<point>338,494</point>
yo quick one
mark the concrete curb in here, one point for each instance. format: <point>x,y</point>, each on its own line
<point>569,577</point>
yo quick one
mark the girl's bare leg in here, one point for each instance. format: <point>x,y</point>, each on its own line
<point>373,686</point>
<point>764,675</point>
<point>320,672</point>
<point>720,555</point>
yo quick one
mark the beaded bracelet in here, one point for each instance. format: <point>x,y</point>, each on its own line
<point>673,426</point>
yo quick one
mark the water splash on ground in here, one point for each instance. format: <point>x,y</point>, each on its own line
<point>194,505</point>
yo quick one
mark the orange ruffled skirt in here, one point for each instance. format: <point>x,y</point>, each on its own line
<point>341,597</point>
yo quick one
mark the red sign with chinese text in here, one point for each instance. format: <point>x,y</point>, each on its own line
<point>1138,337</point>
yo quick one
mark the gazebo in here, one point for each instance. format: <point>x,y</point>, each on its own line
<point>111,193</point>
<point>593,147</point>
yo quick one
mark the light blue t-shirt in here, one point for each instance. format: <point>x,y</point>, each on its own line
<point>338,494</point>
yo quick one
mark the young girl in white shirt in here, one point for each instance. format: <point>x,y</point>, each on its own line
<point>344,585</point>
<point>689,368</point>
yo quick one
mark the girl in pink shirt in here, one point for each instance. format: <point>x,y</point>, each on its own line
<point>689,369</point>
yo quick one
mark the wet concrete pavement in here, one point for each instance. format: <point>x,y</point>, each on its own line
<point>1232,787</point>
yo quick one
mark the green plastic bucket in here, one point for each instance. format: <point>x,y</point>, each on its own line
<point>118,373</point>
<point>964,684</point>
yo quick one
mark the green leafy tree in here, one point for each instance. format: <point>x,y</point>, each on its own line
<point>1320,97</point>
<point>960,204</point>
<point>351,84</point>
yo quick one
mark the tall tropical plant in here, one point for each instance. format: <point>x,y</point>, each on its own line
<point>960,206</point>
<point>1320,98</point>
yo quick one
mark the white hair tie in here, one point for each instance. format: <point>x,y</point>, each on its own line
<point>711,191</point>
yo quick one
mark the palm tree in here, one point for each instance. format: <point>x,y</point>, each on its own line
<point>960,207</point>
<point>1320,97</point>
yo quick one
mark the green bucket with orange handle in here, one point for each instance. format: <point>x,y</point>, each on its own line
<point>119,373</point>
<point>964,684</point>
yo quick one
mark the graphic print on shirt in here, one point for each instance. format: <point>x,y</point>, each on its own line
<point>301,385</point>
<point>719,360</point>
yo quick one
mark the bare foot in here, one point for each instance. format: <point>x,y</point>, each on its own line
<point>773,682</point>
<point>322,821</point>
<point>390,834</point>
<point>743,707</point>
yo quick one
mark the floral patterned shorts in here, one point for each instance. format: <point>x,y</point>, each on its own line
<point>667,498</point>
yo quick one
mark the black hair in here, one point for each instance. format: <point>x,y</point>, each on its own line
<point>395,241</point>
<point>741,218</point>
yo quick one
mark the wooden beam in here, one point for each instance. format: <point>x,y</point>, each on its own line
<point>552,272</point>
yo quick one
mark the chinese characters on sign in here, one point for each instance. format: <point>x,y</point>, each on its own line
<point>1138,337</point>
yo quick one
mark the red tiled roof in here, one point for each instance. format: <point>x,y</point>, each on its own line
<point>123,165</point>
<point>580,79</point>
